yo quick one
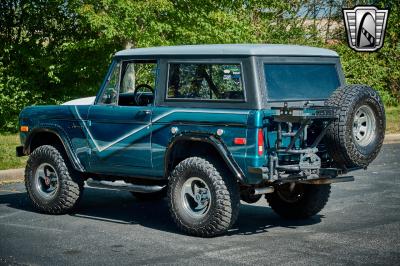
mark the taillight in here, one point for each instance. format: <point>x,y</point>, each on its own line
<point>260,144</point>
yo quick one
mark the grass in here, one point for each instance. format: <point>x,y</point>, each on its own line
<point>393,119</point>
<point>8,159</point>
<point>8,142</point>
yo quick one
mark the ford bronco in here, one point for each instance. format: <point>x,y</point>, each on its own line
<point>207,126</point>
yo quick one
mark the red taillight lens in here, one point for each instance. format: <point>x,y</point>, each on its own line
<point>260,144</point>
<point>239,141</point>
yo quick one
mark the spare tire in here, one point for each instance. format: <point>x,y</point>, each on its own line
<point>356,137</point>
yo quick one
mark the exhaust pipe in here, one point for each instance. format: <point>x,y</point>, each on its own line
<point>263,190</point>
<point>122,185</point>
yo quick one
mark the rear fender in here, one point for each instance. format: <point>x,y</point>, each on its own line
<point>219,146</point>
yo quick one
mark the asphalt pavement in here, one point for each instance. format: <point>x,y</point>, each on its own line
<point>359,225</point>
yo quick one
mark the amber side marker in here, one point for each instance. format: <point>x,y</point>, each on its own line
<point>24,129</point>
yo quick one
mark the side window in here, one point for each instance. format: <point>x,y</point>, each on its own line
<point>135,74</point>
<point>110,91</point>
<point>138,83</point>
<point>134,88</point>
<point>205,81</point>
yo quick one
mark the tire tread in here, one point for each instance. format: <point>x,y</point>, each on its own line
<point>70,187</point>
<point>340,144</point>
<point>227,197</point>
<point>314,200</point>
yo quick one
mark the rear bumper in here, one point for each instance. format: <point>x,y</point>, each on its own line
<point>322,180</point>
<point>327,176</point>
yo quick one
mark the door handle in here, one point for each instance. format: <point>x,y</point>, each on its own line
<point>142,114</point>
<point>147,112</point>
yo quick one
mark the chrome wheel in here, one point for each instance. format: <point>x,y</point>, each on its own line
<point>46,180</point>
<point>364,125</point>
<point>196,197</point>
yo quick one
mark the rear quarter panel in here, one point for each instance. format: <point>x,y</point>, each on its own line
<point>207,121</point>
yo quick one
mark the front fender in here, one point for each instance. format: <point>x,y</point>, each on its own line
<point>59,132</point>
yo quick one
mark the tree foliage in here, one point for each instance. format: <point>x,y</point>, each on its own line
<point>55,50</point>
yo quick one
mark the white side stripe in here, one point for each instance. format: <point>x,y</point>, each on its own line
<point>102,148</point>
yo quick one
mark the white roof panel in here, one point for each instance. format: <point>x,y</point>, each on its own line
<point>230,49</point>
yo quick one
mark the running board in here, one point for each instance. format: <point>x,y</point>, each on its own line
<point>122,185</point>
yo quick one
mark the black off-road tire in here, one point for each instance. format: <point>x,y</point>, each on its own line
<point>70,186</point>
<point>159,195</point>
<point>225,198</point>
<point>312,200</point>
<point>342,146</point>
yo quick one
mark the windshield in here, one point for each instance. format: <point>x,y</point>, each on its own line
<point>300,81</point>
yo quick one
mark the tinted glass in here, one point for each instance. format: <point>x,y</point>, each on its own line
<point>205,82</point>
<point>300,82</point>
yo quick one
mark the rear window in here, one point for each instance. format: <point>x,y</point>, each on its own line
<point>300,81</point>
<point>205,81</point>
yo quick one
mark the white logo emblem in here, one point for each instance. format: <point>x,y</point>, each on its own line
<point>365,26</point>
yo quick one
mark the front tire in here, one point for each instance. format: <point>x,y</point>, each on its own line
<point>298,201</point>
<point>50,183</point>
<point>203,200</point>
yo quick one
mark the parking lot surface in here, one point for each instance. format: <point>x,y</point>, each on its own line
<point>360,225</point>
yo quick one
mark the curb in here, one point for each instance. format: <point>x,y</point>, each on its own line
<point>392,138</point>
<point>12,175</point>
<point>17,175</point>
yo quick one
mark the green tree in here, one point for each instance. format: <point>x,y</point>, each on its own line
<point>55,50</point>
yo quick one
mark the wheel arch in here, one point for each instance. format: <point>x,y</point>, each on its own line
<point>208,144</point>
<point>49,136</point>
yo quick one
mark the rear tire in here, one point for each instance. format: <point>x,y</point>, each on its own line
<point>300,202</point>
<point>51,184</point>
<point>203,200</point>
<point>355,139</point>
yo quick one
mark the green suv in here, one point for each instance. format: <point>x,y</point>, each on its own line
<point>207,126</point>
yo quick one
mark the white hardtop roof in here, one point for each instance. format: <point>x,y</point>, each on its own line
<point>230,49</point>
